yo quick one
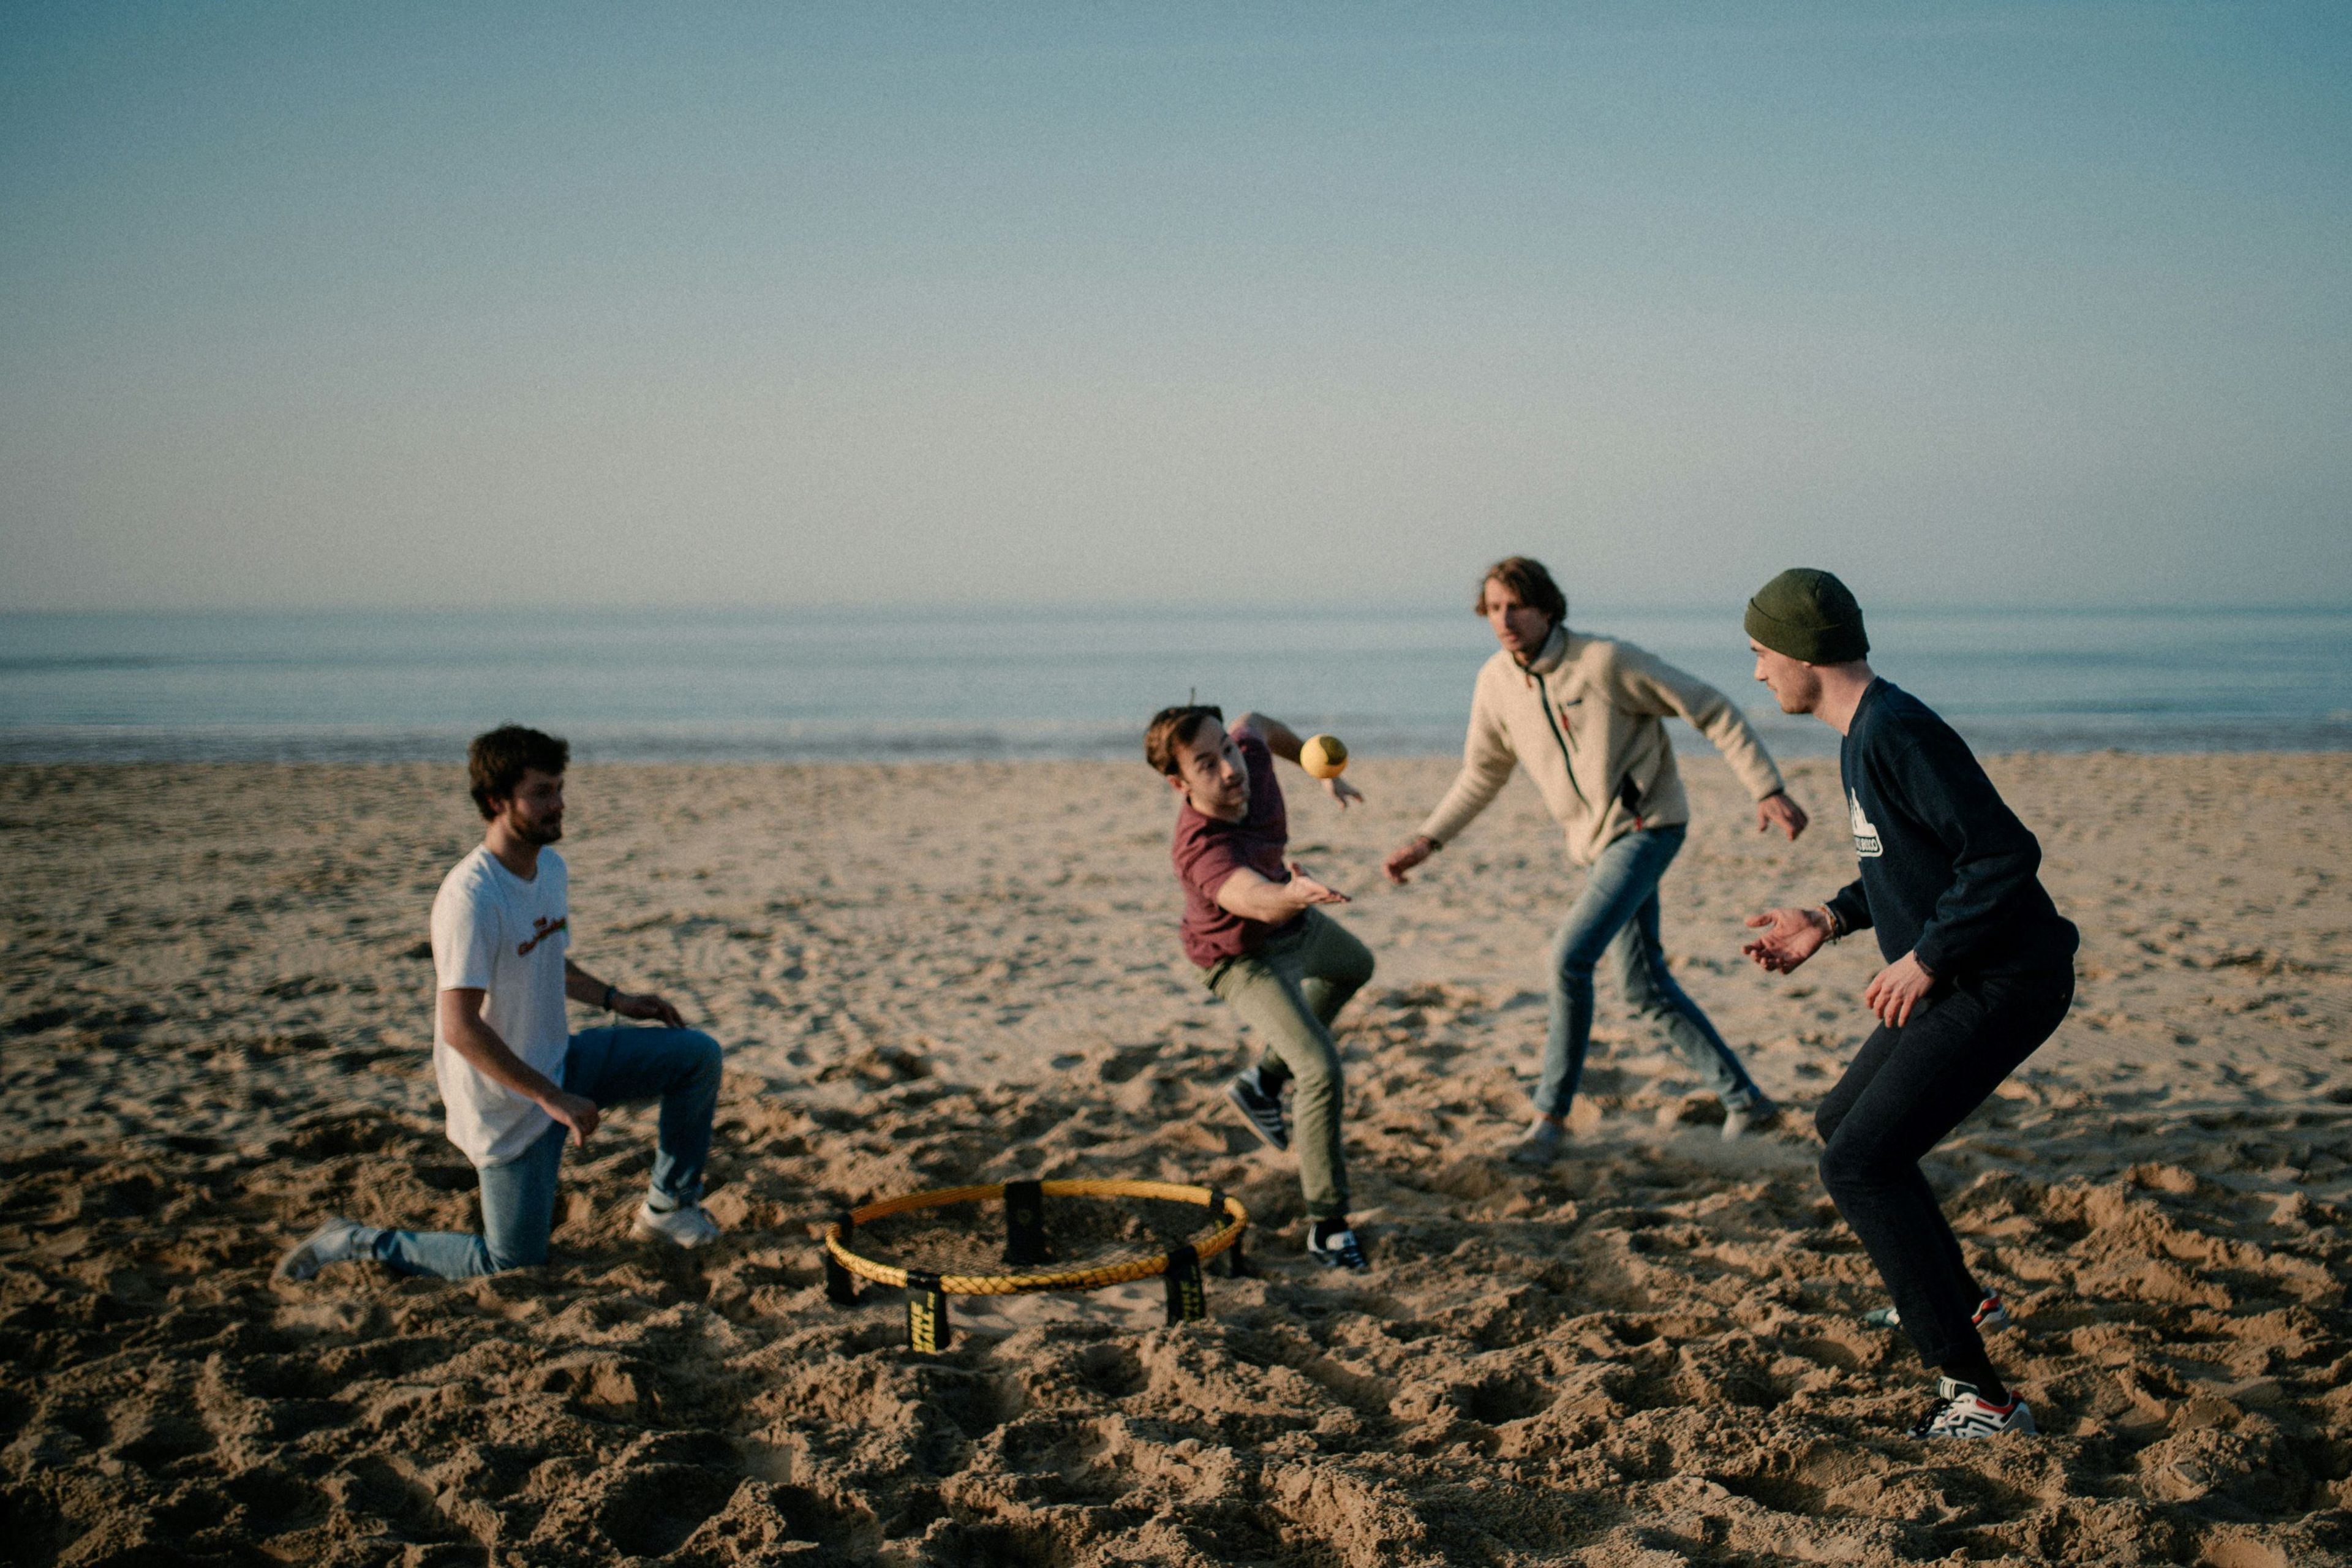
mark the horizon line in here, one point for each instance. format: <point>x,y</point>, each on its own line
<point>1322,606</point>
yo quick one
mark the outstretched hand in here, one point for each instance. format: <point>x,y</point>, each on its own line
<point>1777,810</point>
<point>1405,858</point>
<point>1343,792</point>
<point>1791,937</point>
<point>1308,890</point>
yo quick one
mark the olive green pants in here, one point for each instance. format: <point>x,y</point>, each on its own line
<point>1287,992</point>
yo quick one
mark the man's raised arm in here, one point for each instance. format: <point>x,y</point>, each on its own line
<point>1649,684</point>
<point>1488,760</point>
<point>584,987</point>
<point>1284,742</point>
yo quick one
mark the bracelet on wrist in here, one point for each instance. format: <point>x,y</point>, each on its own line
<point>609,995</point>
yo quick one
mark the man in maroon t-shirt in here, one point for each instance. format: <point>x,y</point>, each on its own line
<point>1253,924</point>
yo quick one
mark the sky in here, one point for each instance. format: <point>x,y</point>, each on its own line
<point>488,304</point>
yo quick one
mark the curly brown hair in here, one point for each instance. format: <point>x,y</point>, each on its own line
<point>1526,576</point>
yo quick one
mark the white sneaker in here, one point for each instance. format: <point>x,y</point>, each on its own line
<point>1739,1121</point>
<point>338,1240</point>
<point>1540,1146</point>
<point>688,1225</point>
<point>1960,1413</point>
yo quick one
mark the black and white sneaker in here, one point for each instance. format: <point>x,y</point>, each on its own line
<point>1337,1248</point>
<point>1960,1413</point>
<point>1991,1315</point>
<point>1262,1109</point>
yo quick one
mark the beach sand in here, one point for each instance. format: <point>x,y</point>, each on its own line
<point>215,1029</point>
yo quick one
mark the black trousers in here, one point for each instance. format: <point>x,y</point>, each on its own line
<point>1907,1087</point>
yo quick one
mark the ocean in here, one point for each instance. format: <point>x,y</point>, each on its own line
<point>628,685</point>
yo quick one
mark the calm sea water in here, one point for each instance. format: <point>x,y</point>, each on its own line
<point>851,684</point>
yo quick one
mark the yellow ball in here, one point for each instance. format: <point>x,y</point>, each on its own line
<point>1325,756</point>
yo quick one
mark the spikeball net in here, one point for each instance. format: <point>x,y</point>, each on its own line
<point>1076,1235</point>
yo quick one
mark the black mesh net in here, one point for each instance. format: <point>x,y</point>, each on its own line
<point>1080,1233</point>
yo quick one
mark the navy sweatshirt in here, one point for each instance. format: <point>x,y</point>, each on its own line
<point>1948,872</point>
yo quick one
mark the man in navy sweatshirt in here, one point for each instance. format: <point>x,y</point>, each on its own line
<point>1979,971</point>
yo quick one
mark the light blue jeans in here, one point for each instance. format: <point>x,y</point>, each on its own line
<point>612,1065</point>
<point>1616,917</point>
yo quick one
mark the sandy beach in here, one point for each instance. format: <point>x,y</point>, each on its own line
<point>216,1029</point>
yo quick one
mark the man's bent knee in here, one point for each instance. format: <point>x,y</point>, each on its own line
<point>1574,968</point>
<point>1850,1169</point>
<point>1834,1179</point>
<point>1313,1072</point>
<point>692,1060</point>
<point>500,1261</point>
<point>1652,1004</point>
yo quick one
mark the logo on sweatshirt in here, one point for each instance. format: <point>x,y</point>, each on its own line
<point>1866,834</point>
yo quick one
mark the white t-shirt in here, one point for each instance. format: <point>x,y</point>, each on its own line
<point>493,931</point>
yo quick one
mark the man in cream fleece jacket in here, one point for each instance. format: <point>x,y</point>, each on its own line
<point>1585,716</point>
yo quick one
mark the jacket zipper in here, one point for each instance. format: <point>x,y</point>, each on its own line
<point>1544,689</point>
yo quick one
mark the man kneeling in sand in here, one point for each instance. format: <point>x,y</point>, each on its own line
<point>516,1083</point>
<point>1252,924</point>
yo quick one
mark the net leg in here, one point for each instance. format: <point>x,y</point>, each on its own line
<point>1236,1265</point>
<point>928,1329</point>
<point>1024,1223</point>
<point>840,1284</point>
<point>1187,1298</point>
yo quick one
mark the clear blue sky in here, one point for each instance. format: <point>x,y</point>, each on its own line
<point>466,304</point>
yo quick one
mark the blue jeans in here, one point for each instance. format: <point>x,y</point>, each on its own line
<point>1616,916</point>
<point>612,1065</point>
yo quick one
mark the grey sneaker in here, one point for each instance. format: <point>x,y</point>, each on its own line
<point>1261,1109</point>
<point>338,1240</point>
<point>1540,1146</point>
<point>688,1225</point>
<point>1756,1116</point>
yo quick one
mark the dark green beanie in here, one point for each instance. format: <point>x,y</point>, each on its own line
<point>1809,615</point>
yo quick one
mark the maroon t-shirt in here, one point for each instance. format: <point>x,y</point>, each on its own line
<point>1207,851</point>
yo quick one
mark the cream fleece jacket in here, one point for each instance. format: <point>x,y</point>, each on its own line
<point>1585,718</point>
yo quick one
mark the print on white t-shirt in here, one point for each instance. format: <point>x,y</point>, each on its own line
<point>494,933</point>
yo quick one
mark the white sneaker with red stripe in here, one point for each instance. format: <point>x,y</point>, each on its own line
<point>1960,1412</point>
